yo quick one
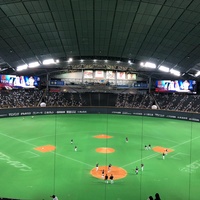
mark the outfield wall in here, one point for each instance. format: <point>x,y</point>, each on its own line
<point>100,110</point>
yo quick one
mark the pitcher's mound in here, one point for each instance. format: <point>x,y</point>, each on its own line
<point>103,136</point>
<point>117,172</point>
<point>105,150</point>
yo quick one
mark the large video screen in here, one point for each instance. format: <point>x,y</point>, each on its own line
<point>13,81</point>
<point>184,86</point>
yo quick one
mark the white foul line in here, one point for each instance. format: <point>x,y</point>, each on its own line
<point>50,152</point>
<point>154,155</point>
<point>147,157</point>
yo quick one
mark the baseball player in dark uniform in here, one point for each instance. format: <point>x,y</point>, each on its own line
<point>109,167</point>
<point>142,166</point>
<point>97,166</point>
<point>75,148</point>
<point>111,179</point>
<point>106,178</point>
<point>102,173</point>
<point>163,156</point>
<point>136,170</point>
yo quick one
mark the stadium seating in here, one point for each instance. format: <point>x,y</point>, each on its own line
<point>33,98</point>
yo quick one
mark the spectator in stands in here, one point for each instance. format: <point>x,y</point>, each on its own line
<point>22,98</point>
<point>54,197</point>
<point>157,196</point>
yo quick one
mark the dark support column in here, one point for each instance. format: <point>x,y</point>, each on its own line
<point>82,76</point>
<point>116,77</point>
<point>149,84</point>
<point>47,86</point>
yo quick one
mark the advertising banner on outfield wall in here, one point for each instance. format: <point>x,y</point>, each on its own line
<point>117,111</point>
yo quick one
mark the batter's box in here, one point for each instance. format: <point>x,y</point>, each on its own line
<point>46,148</point>
<point>28,154</point>
<point>180,156</point>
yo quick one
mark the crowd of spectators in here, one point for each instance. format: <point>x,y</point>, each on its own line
<point>178,102</point>
<point>144,101</point>
<point>33,98</point>
<point>59,99</point>
<point>20,98</point>
<point>175,102</point>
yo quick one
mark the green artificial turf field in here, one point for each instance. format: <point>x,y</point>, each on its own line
<point>27,173</point>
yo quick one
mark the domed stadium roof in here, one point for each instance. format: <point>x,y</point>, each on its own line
<point>101,33</point>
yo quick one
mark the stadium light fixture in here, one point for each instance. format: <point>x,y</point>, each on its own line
<point>148,65</point>
<point>33,64</point>
<point>175,72</point>
<point>129,62</point>
<point>163,68</point>
<point>82,60</point>
<point>48,61</point>
<point>95,60</point>
<point>197,74</point>
<point>142,64</point>
<point>106,61</point>
<point>70,60</point>
<point>118,61</point>
<point>57,61</point>
<point>22,67</point>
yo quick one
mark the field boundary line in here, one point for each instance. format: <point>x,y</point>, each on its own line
<point>34,155</point>
<point>72,159</point>
<point>156,154</point>
<point>18,139</point>
<point>50,152</point>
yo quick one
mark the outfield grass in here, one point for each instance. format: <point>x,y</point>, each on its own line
<point>30,174</point>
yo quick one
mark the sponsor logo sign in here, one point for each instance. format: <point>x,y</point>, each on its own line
<point>13,114</point>
<point>71,111</point>
<point>48,112</point>
<point>159,115</point>
<point>16,164</point>
<point>82,111</point>
<point>194,119</point>
<point>25,113</point>
<point>60,112</point>
<point>126,113</point>
<point>181,117</point>
<point>135,113</point>
<point>116,112</point>
<point>37,113</point>
<point>148,114</point>
<point>3,115</point>
<point>171,116</point>
<point>191,168</point>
